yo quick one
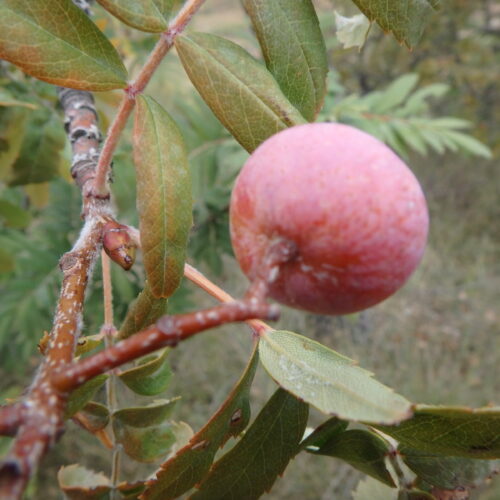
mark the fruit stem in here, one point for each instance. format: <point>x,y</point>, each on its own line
<point>280,251</point>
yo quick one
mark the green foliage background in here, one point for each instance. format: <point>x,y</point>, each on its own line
<point>436,341</point>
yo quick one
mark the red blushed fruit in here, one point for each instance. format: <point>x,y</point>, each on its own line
<point>354,210</point>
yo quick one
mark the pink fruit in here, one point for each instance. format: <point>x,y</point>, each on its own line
<point>354,210</point>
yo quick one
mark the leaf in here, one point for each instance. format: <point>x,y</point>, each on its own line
<point>363,450</point>
<point>7,99</point>
<point>239,90</point>
<point>324,433</point>
<point>190,465</point>
<point>13,216</point>
<point>144,311</point>
<point>251,467</point>
<point>406,19</point>
<point>469,144</point>
<point>88,343</point>
<point>454,431</point>
<point>396,93</point>
<point>7,261</point>
<point>141,14</point>
<point>150,377</point>
<point>79,483</point>
<point>352,31</point>
<point>81,396</point>
<point>13,127</point>
<point>40,154</point>
<point>164,200</point>
<point>165,7</point>
<point>329,381</point>
<point>143,432</point>
<point>294,50</point>
<point>449,472</point>
<point>371,489</point>
<point>95,416</point>
<point>55,41</point>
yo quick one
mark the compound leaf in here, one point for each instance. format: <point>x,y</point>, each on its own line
<point>238,88</point>
<point>143,15</point>
<point>329,381</point>
<point>56,42</point>
<point>164,199</point>
<point>190,465</point>
<point>252,466</point>
<point>294,50</point>
<point>453,431</point>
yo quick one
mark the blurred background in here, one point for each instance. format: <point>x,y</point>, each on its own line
<point>436,341</point>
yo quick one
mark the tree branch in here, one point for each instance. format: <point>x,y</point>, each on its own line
<point>168,331</point>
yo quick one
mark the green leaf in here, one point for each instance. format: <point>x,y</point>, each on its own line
<point>396,93</point>
<point>144,311</point>
<point>13,216</point>
<point>453,431</point>
<point>55,41</point>
<point>81,396</point>
<point>13,127</point>
<point>329,381</point>
<point>363,450</point>
<point>239,90</point>
<point>164,199</point>
<point>143,15</point>
<point>449,472</point>
<point>95,416</point>
<point>143,432</point>
<point>40,154</point>
<point>79,483</point>
<point>324,433</point>
<point>371,489</point>
<point>352,31</point>
<point>251,467</point>
<point>7,99</point>
<point>150,377</point>
<point>7,261</point>
<point>190,465</point>
<point>88,343</point>
<point>165,7</point>
<point>294,50</point>
<point>406,19</point>
<point>469,144</point>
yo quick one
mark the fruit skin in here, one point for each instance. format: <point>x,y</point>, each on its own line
<point>353,208</point>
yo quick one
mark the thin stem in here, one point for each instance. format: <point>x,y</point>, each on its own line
<point>127,104</point>
<point>196,277</point>
<point>111,397</point>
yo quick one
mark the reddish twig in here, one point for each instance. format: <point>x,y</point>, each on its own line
<point>168,331</point>
<point>127,104</point>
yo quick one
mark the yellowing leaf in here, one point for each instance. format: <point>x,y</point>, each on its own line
<point>54,41</point>
<point>164,199</point>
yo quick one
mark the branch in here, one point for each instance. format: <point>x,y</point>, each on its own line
<point>127,104</point>
<point>168,331</point>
